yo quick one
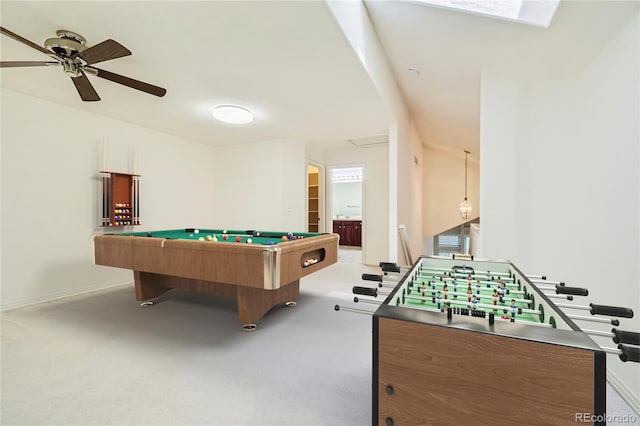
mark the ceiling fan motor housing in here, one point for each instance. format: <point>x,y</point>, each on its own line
<point>67,44</point>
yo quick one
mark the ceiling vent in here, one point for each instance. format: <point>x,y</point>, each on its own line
<point>369,141</point>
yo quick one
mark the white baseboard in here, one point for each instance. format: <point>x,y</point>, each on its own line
<point>631,398</point>
<point>62,295</point>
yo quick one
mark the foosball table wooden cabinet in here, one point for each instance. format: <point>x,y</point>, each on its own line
<point>448,367</point>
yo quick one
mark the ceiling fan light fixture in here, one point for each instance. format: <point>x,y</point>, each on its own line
<point>233,114</point>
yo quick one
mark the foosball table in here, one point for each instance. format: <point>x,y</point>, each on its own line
<point>462,341</point>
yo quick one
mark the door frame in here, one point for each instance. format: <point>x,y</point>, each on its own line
<point>321,196</point>
<point>329,200</point>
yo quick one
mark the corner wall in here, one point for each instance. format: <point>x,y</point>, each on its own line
<point>50,160</point>
<point>405,146</point>
<point>443,182</point>
<point>570,156</point>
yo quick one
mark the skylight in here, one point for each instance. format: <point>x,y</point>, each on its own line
<point>533,12</point>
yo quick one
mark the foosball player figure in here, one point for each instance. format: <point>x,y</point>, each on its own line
<point>445,291</point>
<point>455,288</point>
<point>474,303</point>
<point>495,296</point>
<point>439,300</point>
<point>514,309</point>
<point>469,293</point>
<point>423,290</point>
<point>501,292</point>
<point>477,287</point>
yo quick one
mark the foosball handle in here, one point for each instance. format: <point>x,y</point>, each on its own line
<point>372,277</point>
<point>576,291</point>
<point>629,337</point>
<point>629,353</point>
<point>390,268</point>
<point>612,311</point>
<point>383,264</point>
<point>365,291</point>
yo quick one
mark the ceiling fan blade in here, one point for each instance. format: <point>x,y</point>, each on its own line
<point>85,88</point>
<point>24,40</point>
<point>26,64</point>
<point>108,49</point>
<point>130,82</point>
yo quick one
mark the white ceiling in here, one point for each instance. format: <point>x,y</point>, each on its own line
<point>290,64</point>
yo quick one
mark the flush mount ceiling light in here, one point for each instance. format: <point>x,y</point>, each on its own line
<point>233,114</point>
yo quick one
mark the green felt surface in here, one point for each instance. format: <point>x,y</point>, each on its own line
<point>414,298</point>
<point>269,237</point>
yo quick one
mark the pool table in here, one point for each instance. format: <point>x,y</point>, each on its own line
<point>260,269</point>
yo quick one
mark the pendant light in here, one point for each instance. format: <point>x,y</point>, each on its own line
<point>465,207</point>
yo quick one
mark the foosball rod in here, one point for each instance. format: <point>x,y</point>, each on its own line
<point>612,311</point>
<point>543,282</point>
<point>574,291</point>
<point>379,278</point>
<point>624,352</point>
<point>371,302</point>
<point>354,310</point>
<point>483,273</point>
<point>613,322</point>
<point>618,336</point>
<point>368,291</point>
<point>393,264</point>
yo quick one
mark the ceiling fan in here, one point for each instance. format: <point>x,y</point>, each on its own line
<point>69,50</point>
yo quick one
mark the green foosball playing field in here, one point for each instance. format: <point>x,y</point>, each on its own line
<point>470,294</point>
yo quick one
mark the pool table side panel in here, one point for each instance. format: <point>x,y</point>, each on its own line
<point>224,262</point>
<point>238,264</point>
<point>442,375</point>
<point>294,253</point>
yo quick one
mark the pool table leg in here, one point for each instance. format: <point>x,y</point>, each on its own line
<point>146,289</point>
<point>254,303</point>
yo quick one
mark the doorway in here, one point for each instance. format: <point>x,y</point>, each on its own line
<point>315,198</point>
<point>346,209</point>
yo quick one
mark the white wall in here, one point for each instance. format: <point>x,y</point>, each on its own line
<point>375,212</point>
<point>564,156</point>
<point>50,159</point>
<point>260,186</point>
<point>405,176</point>
<point>443,182</point>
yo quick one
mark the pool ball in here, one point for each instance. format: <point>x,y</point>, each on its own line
<point>224,231</point>
<point>269,243</point>
<point>290,235</point>
<point>258,233</point>
<point>249,240</point>
<point>285,238</point>
<point>208,238</point>
<point>215,239</point>
<point>196,231</point>
<point>225,237</point>
<point>201,239</point>
<point>238,239</point>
